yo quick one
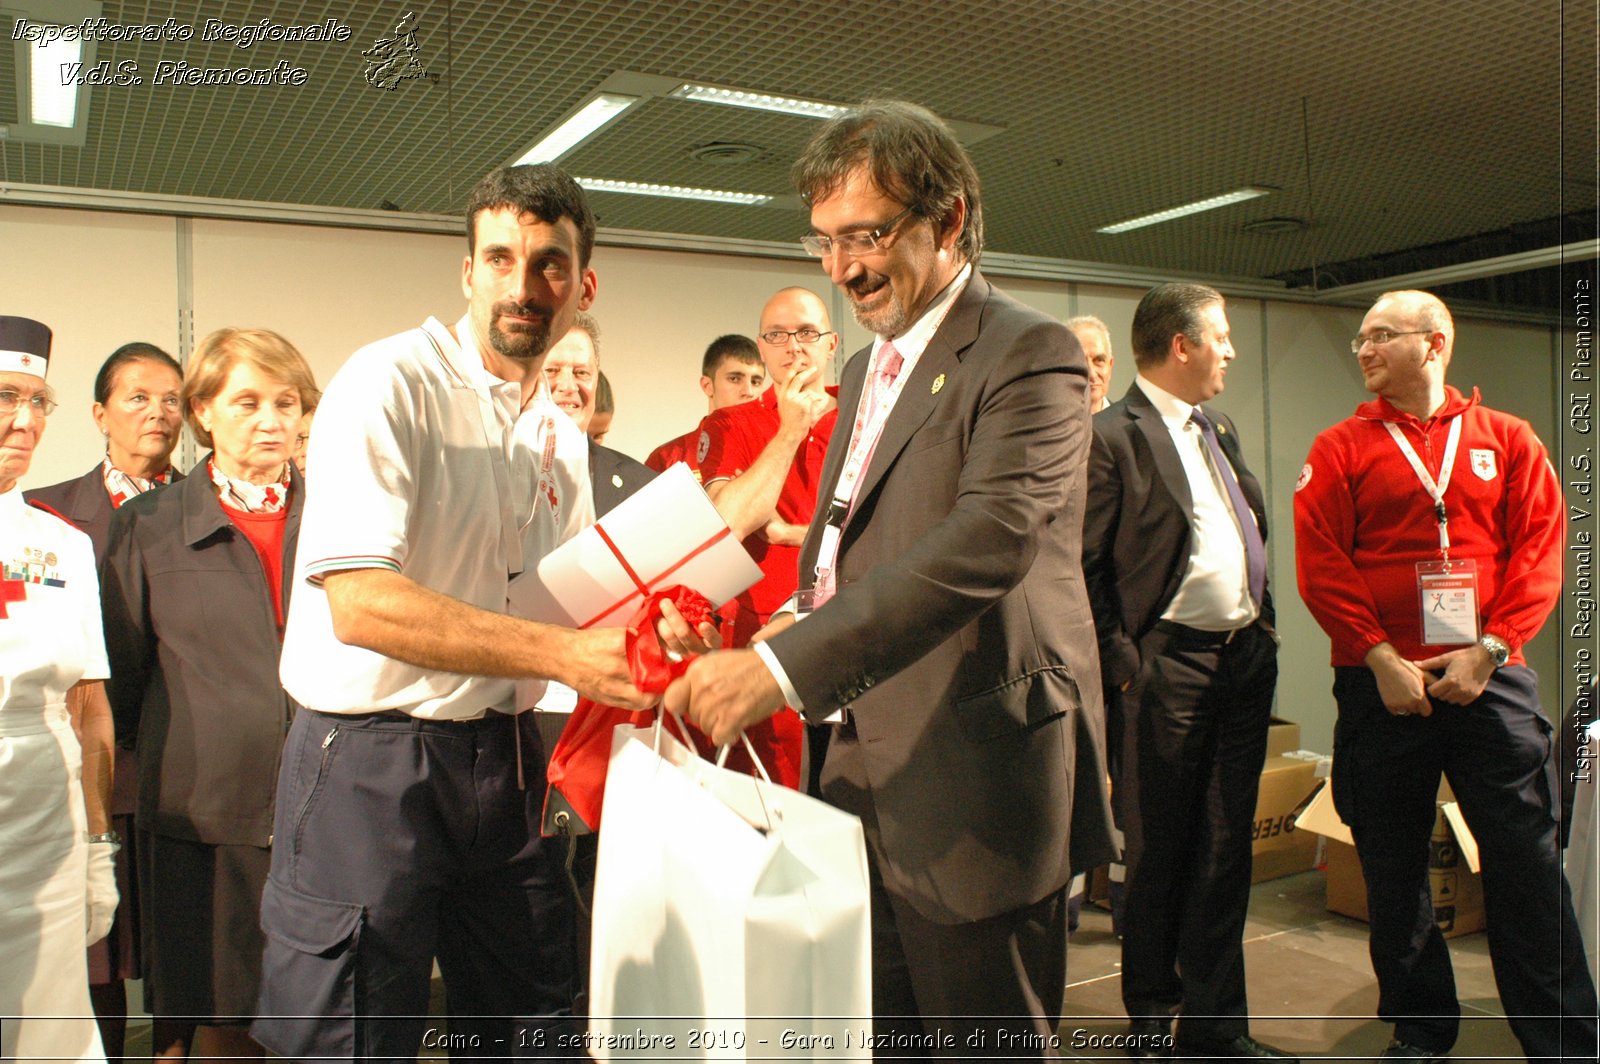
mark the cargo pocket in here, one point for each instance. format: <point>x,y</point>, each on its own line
<point>310,985</point>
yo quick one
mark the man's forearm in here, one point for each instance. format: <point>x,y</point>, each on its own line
<point>750,500</point>
<point>391,614</point>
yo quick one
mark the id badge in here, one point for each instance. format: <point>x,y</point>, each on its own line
<point>828,548</point>
<point>1449,593</point>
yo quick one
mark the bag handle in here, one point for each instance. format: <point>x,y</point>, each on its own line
<point>755,759</point>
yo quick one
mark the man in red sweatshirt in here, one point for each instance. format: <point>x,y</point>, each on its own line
<point>1428,533</point>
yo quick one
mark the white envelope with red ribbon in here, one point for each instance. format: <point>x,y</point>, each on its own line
<point>667,533</point>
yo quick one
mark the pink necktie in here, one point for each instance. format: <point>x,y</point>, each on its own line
<point>890,362</point>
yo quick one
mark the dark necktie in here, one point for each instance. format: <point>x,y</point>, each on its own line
<point>1255,550</point>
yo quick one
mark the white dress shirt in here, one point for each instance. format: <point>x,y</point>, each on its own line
<point>1214,594</point>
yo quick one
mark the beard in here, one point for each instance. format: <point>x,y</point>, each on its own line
<point>521,341</point>
<point>889,319</point>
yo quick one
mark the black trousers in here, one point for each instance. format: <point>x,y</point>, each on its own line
<point>399,841</point>
<point>1497,754</point>
<point>1196,718</point>
<point>988,988</point>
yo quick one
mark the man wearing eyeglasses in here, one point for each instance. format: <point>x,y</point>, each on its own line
<point>760,463</point>
<point>1428,533</point>
<point>954,630</point>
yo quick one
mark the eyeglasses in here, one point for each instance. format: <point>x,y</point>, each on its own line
<point>1379,337</point>
<point>853,244</point>
<point>779,337</point>
<point>39,402</point>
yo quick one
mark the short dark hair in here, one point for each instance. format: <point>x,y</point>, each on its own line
<point>126,355</point>
<point>604,401</point>
<point>544,191</point>
<point>731,346</point>
<point>1164,312</point>
<point>909,153</point>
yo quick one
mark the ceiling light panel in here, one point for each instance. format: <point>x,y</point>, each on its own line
<point>1211,203</point>
<point>53,94</point>
<point>758,101</point>
<point>579,127</point>
<point>645,188</point>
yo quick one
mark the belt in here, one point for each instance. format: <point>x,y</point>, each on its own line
<point>489,719</point>
<point>1199,636</point>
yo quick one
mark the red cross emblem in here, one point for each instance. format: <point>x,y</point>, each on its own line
<point>27,360</point>
<point>11,591</point>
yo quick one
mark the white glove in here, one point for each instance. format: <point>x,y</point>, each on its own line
<point>102,894</point>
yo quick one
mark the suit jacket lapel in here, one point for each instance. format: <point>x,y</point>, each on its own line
<point>90,504</point>
<point>851,383</point>
<point>917,396</point>
<point>1162,449</point>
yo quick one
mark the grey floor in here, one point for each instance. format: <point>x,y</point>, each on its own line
<point>1311,988</point>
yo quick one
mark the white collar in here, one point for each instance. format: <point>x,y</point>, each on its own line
<point>1174,411</point>
<point>915,340</point>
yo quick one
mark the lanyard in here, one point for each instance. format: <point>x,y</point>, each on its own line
<point>1435,491</point>
<point>872,413</point>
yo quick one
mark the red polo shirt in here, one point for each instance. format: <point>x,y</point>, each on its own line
<point>681,449</point>
<point>730,441</point>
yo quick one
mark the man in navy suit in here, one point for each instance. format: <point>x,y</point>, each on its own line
<point>1175,559</point>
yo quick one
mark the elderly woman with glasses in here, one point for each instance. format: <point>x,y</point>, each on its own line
<point>57,887</point>
<point>136,409</point>
<point>196,581</point>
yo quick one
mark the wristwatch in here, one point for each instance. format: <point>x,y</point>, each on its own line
<point>1498,649</point>
<point>105,836</point>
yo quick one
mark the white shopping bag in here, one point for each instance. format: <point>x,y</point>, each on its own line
<point>731,915</point>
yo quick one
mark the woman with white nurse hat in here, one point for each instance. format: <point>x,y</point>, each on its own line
<point>57,887</point>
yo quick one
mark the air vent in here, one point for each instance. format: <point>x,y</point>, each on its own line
<point>726,153</point>
<point>1273,226</point>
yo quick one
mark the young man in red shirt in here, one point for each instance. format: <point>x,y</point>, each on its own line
<point>730,373</point>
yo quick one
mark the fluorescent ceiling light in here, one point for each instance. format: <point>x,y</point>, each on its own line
<point>760,101</point>
<point>644,188</point>
<point>578,128</point>
<point>1210,204</point>
<point>53,96</point>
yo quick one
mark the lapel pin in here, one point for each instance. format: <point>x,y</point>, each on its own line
<point>938,382</point>
<point>616,480</point>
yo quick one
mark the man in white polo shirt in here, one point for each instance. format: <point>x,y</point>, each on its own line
<point>409,796</point>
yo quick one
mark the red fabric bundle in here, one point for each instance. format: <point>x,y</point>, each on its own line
<point>577,770</point>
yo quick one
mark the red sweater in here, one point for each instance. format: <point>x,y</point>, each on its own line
<point>1362,522</point>
<point>265,533</point>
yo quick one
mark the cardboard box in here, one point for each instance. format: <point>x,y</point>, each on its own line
<point>1453,876</point>
<point>1278,848</point>
<point>1282,736</point>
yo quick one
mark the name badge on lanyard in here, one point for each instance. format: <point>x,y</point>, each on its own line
<point>1449,593</point>
<point>1447,590</point>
